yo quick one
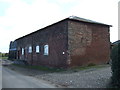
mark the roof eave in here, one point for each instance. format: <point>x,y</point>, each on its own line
<point>87,21</point>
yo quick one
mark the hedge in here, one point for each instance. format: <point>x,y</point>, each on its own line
<point>115,56</point>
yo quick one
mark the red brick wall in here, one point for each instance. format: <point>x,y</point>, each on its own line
<point>56,37</point>
<point>88,43</point>
<point>82,43</point>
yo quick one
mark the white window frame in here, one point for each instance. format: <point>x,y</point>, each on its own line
<point>46,49</point>
<point>37,49</point>
<point>30,49</point>
<point>22,51</point>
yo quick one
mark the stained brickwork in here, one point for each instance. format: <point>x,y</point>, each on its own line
<point>88,43</point>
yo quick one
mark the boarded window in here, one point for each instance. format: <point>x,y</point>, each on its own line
<point>30,49</point>
<point>37,49</point>
<point>22,51</point>
<point>46,50</point>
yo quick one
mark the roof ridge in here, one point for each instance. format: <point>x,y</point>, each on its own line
<point>85,20</point>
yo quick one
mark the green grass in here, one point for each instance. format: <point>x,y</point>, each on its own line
<point>40,68</point>
<point>75,69</point>
<point>3,57</point>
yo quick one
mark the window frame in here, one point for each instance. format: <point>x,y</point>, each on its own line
<point>30,49</point>
<point>46,49</point>
<point>23,51</point>
<point>37,49</point>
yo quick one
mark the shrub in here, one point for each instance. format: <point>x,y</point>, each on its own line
<point>115,56</point>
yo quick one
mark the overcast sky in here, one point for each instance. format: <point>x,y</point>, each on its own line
<point>20,17</point>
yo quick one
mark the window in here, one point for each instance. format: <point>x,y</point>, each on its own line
<point>22,51</point>
<point>46,50</point>
<point>37,49</point>
<point>30,49</point>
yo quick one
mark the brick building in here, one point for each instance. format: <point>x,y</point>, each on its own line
<point>12,50</point>
<point>70,42</point>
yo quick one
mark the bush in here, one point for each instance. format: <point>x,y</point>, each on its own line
<point>115,56</point>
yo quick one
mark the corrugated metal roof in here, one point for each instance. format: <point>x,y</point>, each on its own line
<point>86,20</point>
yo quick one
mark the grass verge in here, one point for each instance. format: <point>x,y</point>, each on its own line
<point>3,57</point>
<point>75,69</point>
<point>40,68</point>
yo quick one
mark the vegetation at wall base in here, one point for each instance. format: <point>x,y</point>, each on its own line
<point>43,68</point>
<point>73,69</point>
<point>89,66</point>
<point>115,56</point>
